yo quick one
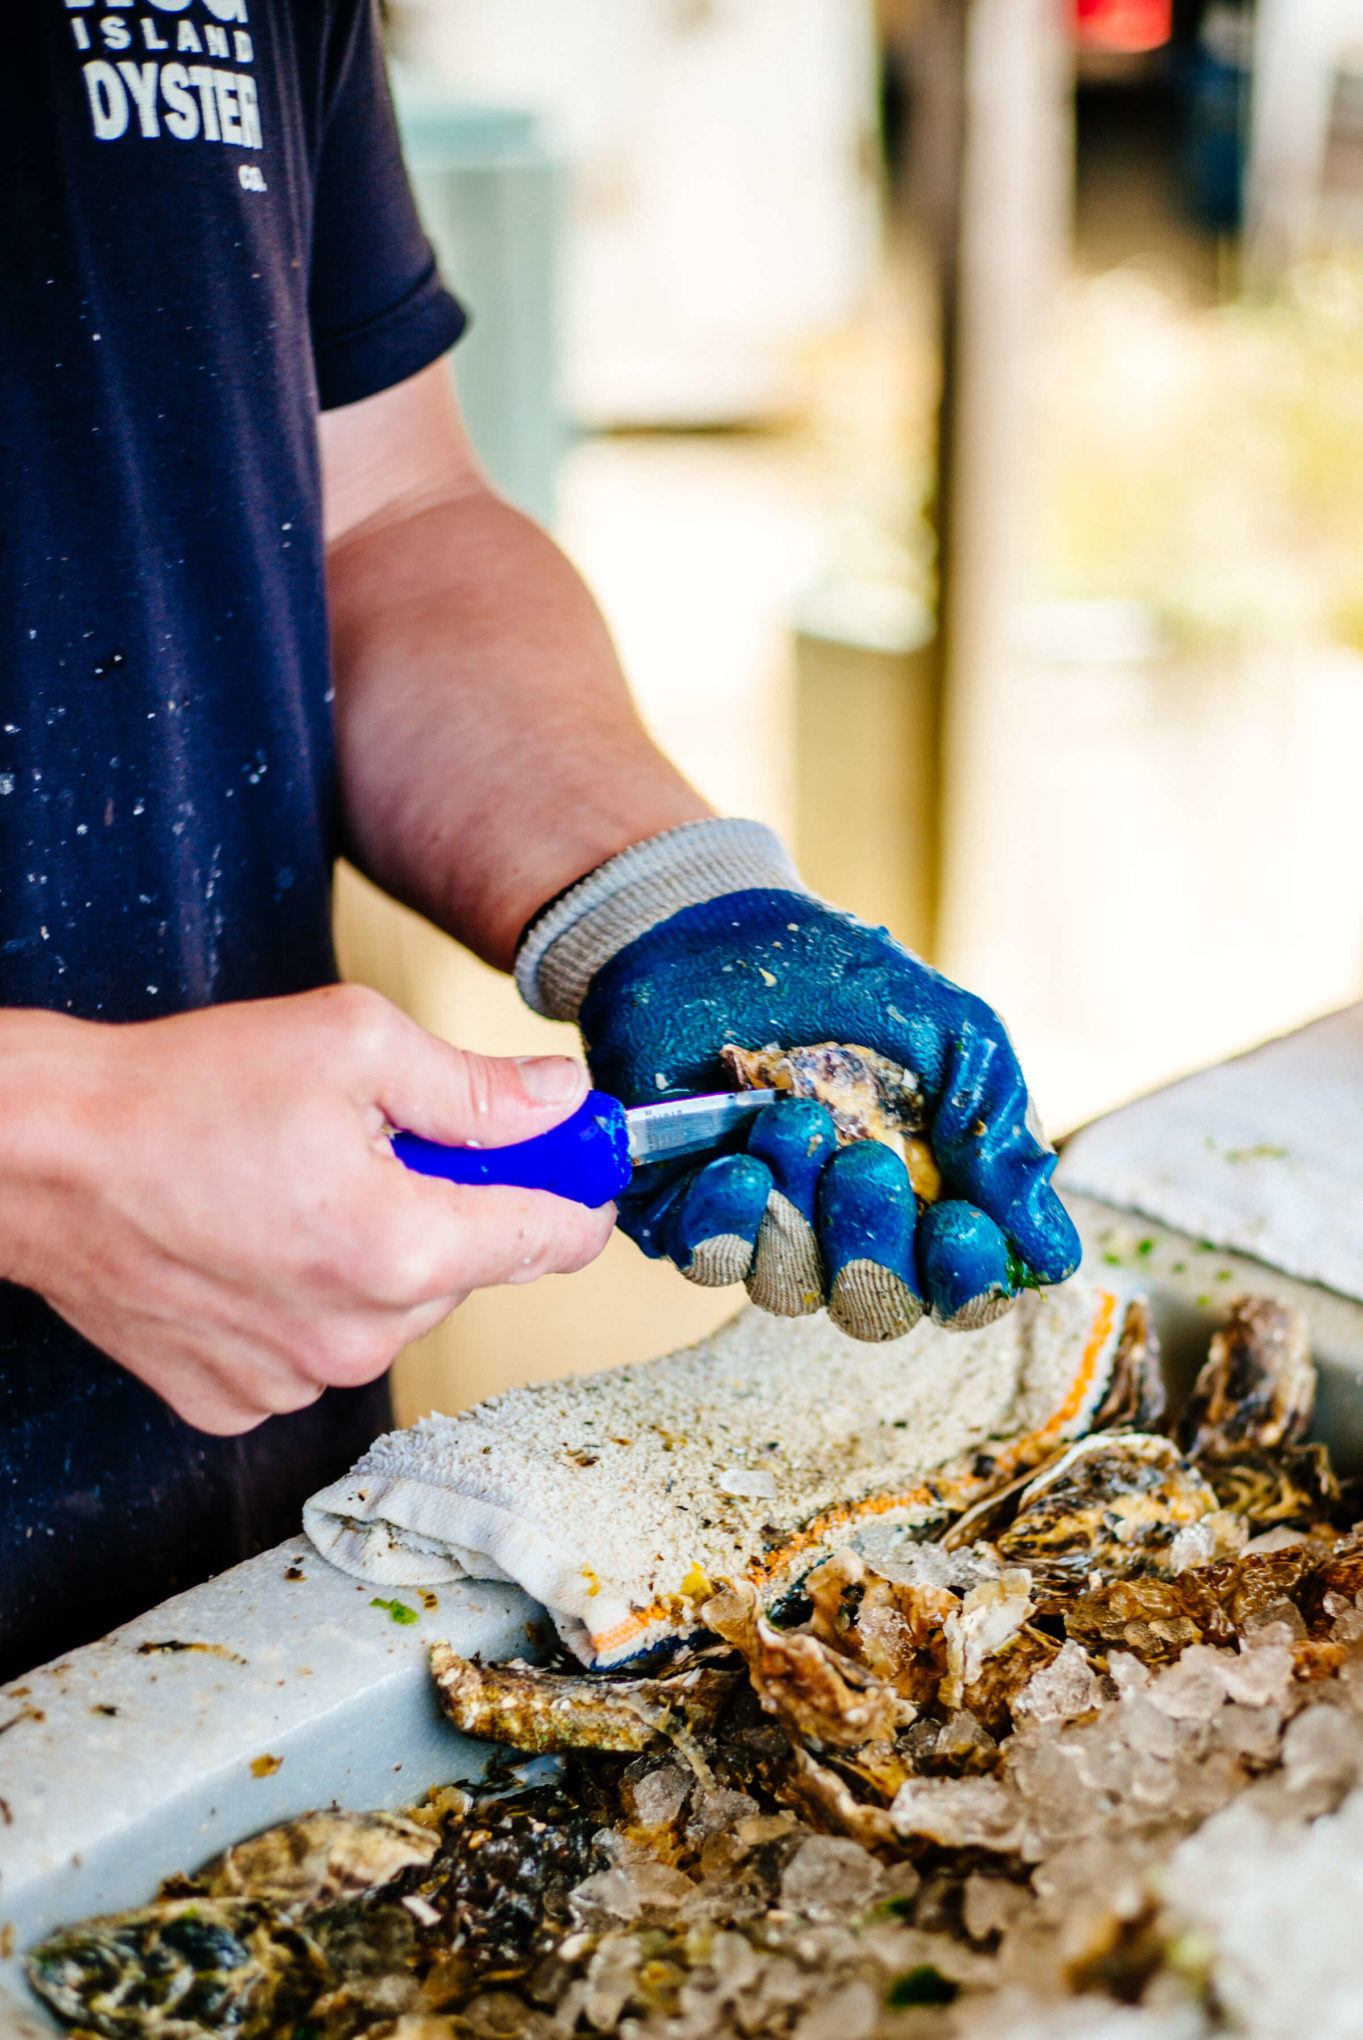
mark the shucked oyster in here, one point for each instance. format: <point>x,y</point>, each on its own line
<point>867,1096</point>
<point>180,1968</point>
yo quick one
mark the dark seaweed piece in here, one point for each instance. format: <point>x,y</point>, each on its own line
<point>504,1873</point>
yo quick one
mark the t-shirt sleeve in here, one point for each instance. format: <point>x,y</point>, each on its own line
<point>377,307</point>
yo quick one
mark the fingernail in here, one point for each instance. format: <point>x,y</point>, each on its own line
<point>549,1079</point>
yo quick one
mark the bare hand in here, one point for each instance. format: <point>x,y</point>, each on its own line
<point>212,1200</point>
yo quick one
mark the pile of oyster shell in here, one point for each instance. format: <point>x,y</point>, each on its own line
<point>940,1783</point>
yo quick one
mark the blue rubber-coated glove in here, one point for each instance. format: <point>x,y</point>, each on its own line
<point>801,1220</point>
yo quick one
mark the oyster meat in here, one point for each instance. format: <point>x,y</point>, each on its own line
<point>867,1096</point>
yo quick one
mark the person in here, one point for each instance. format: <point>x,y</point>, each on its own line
<point>260,606</point>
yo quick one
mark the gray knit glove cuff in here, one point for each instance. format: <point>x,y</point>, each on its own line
<point>629,894</point>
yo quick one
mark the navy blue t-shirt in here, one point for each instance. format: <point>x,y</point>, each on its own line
<point>206,234</point>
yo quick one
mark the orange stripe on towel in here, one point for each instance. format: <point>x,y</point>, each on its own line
<point>948,1494</point>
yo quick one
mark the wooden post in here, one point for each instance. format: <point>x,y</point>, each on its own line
<point>1005,224</point>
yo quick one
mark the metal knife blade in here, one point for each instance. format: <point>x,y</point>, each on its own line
<point>684,1126</point>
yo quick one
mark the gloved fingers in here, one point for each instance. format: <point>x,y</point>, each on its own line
<point>794,1140</point>
<point>964,1266</point>
<point>1042,1232</point>
<point>993,1155</point>
<point>710,1227</point>
<point>866,1217</point>
<point>643,1208</point>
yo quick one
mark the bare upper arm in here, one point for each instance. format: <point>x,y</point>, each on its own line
<point>400,451</point>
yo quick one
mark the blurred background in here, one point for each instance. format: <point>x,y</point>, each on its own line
<point>957,408</point>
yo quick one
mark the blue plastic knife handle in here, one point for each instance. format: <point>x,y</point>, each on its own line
<point>585,1158</point>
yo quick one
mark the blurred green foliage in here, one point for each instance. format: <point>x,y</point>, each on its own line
<point>1208,460</point>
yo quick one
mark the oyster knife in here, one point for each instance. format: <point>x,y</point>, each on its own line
<point>591,1156</point>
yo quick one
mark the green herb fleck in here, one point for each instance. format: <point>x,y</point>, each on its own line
<point>398,1610</point>
<point>1224,1275</point>
<point>1204,1303</point>
<point>1020,1276</point>
<point>901,1906</point>
<point>1179,1267</point>
<point>1113,1260</point>
<point>921,1986</point>
<point>1145,1247</point>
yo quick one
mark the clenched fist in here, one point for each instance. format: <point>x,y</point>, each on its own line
<point>213,1201</point>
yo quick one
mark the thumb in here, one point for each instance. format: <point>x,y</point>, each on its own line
<point>464,1100</point>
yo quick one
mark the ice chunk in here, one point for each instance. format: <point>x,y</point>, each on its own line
<point>926,1565</point>
<point>962,1736</point>
<point>781,1983</point>
<point>605,1896</point>
<point>1147,1728</point>
<point>734,1962</point>
<point>660,1795</point>
<point>828,1877</point>
<point>1065,1688</point>
<point>1249,1731</point>
<point>1220,1534</point>
<point>1020,2015</point>
<point>717,1812</point>
<point>991,1905</point>
<point>1261,1676</point>
<point>1323,1746</point>
<point>958,1812</point>
<point>610,1980</point>
<point>847,2012</point>
<point>1061,1782</point>
<point>1192,1688</point>
<point>1126,1671</point>
<point>1279,1903</point>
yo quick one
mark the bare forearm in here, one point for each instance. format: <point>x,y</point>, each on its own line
<point>490,753</point>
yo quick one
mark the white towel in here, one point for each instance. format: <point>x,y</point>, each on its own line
<point>616,1499</point>
<point>1262,1155</point>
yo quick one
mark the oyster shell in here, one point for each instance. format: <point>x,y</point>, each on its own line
<point>921,1739</point>
<point>318,1861</point>
<point>179,1969</point>
<point>817,1693</point>
<point>1257,1388</point>
<point>1135,1397</point>
<point>867,1096</point>
<point>528,1709</point>
<point>1112,1503</point>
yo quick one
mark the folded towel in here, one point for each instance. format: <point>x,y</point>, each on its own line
<point>1262,1155</point>
<point>617,1499</point>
